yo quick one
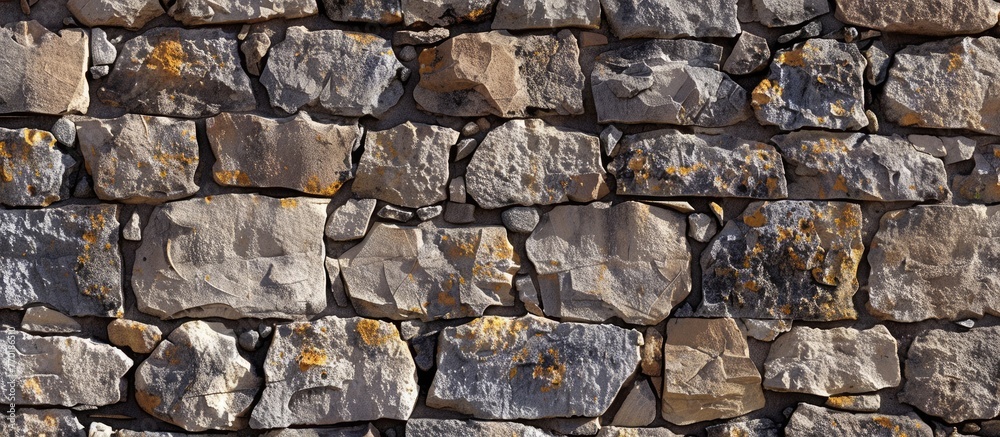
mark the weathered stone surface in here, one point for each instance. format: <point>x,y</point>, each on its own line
<point>537,368</point>
<point>200,12</point>
<point>428,272</point>
<point>702,227</point>
<point>197,380</point>
<point>463,428</point>
<point>818,83</point>
<point>668,163</point>
<point>545,14</point>
<point>368,430</point>
<point>595,262</point>
<point>750,428</point>
<point>58,370</point>
<point>936,262</point>
<point>446,12</point>
<point>460,213</point>
<point>983,184</point>
<point>652,352</point>
<point>131,14</point>
<point>879,58</point>
<point>307,69</point>
<point>102,52</point>
<point>74,267</point>
<point>416,38</point>
<point>53,422</point>
<point>350,221</point>
<point>385,12</point>
<point>138,336</point>
<point>406,165</point>
<point>334,370</point>
<point>132,231</point>
<point>662,81</point>
<point>394,213</point>
<point>520,219</point>
<point>785,260</point>
<point>617,431</point>
<point>43,72</point>
<point>233,256</point>
<point>456,190</point>
<point>639,407</point>
<point>496,73</point>
<point>294,152</point>
<point>925,17</point>
<point>780,13</point>
<point>540,164</point>
<point>810,420</point>
<point>671,18</point>
<point>48,321</point>
<point>860,403</point>
<point>254,48</point>
<point>586,426</point>
<point>833,165</point>
<point>707,372</point>
<point>140,158</point>
<point>750,55</point>
<point>765,329</point>
<point>33,171</point>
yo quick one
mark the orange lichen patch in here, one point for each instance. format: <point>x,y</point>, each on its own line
<point>757,219</point>
<point>954,61</point>
<point>840,184</point>
<point>786,309</point>
<point>314,186</point>
<point>841,401</point>
<point>147,401</point>
<point>39,138</point>
<point>494,333</point>
<point>837,108</point>
<point>446,299</point>
<point>765,92</point>
<point>684,170</point>
<point>233,177</point>
<point>793,58</point>
<point>910,119</point>
<point>476,14</point>
<point>362,38</point>
<point>752,285</point>
<point>32,385</point>
<point>886,422</point>
<point>289,203</point>
<point>168,56</point>
<point>311,356</point>
<point>176,159</point>
<point>50,422</point>
<point>429,61</point>
<point>301,328</point>
<point>372,334</point>
<point>512,373</point>
<point>550,369</point>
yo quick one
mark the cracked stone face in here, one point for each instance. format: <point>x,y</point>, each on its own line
<point>33,170</point>
<point>26,49</point>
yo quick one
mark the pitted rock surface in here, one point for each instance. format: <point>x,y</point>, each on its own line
<point>462,428</point>
<point>201,12</point>
<point>926,17</point>
<point>130,14</point>
<point>547,14</point>
<point>366,11</point>
<point>44,72</point>
<point>56,422</point>
<point>780,13</point>
<point>810,420</point>
<point>33,171</point>
<point>672,18</point>
<point>406,165</point>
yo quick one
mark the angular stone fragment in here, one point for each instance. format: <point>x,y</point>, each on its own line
<point>58,370</point>
<point>925,17</point>
<point>546,14</point>
<point>138,336</point>
<point>983,184</point>
<point>52,422</point>
<point>463,428</point>
<point>293,152</point>
<point>765,329</point>
<point>520,219</point>
<point>672,18</point>
<point>702,227</point>
<point>350,221</point>
<point>663,81</point>
<point>958,149</point>
<point>201,12</point>
<point>785,260</point>
<point>233,256</point>
<point>429,273</point>
<point>385,12</point>
<point>595,262</point>
<point>780,13</point>
<point>936,262</point>
<point>617,431</point>
<point>750,428</point>
<point>48,321</point>
<point>334,370</point>
<point>818,83</point>
<point>416,38</point>
<point>879,58</point>
<point>751,54</point>
<point>406,165</point>
<point>74,264</point>
<point>43,72</point>
<point>131,14</point>
<point>102,52</point>
<point>132,231</point>
<point>540,165</point>
<point>652,352</point>
<point>639,407</point>
<point>537,368</point>
<point>368,430</point>
<point>668,163</point>
<point>33,171</point>
<point>859,403</point>
<point>497,73</point>
<point>810,420</point>
<point>344,73</point>
<point>140,158</point>
<point>394,213</point>
<point>833,165</point>
<point>446,12</point>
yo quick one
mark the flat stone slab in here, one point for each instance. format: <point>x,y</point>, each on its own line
<point>547,14</point>
<point>197,260</point>
<point>54,422</point>
<point>385,12</point>
<point>33,171</point>
<point>460,428</point>
<point>406,165</point>
<point>671,18</point>
<point>201,12</point>
<point>810,420</point>
<point>44,72</point>
<point>781,13</point>
<point>925,17</point>
<point>368,430</point>
<point>130,14</point>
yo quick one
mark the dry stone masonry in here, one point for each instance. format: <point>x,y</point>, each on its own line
<point>527,218</point>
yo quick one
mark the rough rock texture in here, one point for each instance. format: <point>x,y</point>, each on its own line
<point>131,14</point>
<point>860,403</point>
<point>671,18</point>
<point>368,430</point>
<point>497,73</point>
<point>48,321</point>
<point>140,158</point>
<point>384,12</point>
<point>537,368</point>
<point>936,262</point>
<point>406,165</point>
<point>463,428</point>
<point>750,428</point>
<point>668,163</point>
<point>708,373</point>
<point>639,407</point>
<point>43,72</point>
<point>75,268</point>
<point>818,83</point>
<point>925,17</point>
<point>334,370</point>
<point>137,336</point>
<point>780,13</point>
<point>32,422</point>
<point>528,162</point>
<point>663,81</point>
<point>294,152</point>
<point>446,12</point>
<point>750,55</point>
<point>196,379</point>
<point>344,73</point>
<point>765,329</point>
<point>983,184</point>
<point>785,260</point>
<point>179,72</point>
<point>831,165</point>
<point>546,14</point>
<point>827,362</point>
<point>429,272</point>
<point>199,12</point>
<point>595,262</point>
<point>350,221</point>
<point>232,256</point>
<point>617,431</point>
<point>810,420</point>
<point>33,171</point>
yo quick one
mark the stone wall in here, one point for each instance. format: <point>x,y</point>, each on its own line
<point>500,217</point>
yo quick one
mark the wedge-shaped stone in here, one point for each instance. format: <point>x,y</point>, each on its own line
<point>668,163</point>
<point>67,371</point>
<point>384,12</point>
<point>429,273</point>
<point>336,370</point>
<point>233,256</point>
<point>500,74</point>
<point>925,17</point>
<point>811,420</point>
<point>983,184</point>
<point>33,171</point>
<point>596,262</point>
<point>818,83</point>
<point>785,260</point>
<point>833,165</point>
<point>672,18</point>
<point>547,14</point>
<point>179,72</point>
<point>131,14</point>
<point>661,81</point>
<point>307,69</point>
<point>446,12</point>
<point>140,158</point>
<point>294,152</point>
<point>43,72</point>
<point>827,362</point>
<point>66,258</point>
<point>199,12</point>
<point>53,422</point>
<point>936,262</point>
<point>406,165</point>
<point>532,368</point>
<point>462,428</point>
<point>708,373</point>
<point>528,162</point>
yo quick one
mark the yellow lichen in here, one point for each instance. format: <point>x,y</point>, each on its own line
<point>289,203</point>
<point>757,219</point>
<point>168,56</point>
<point>311,356</point>
<point>372,334</point>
